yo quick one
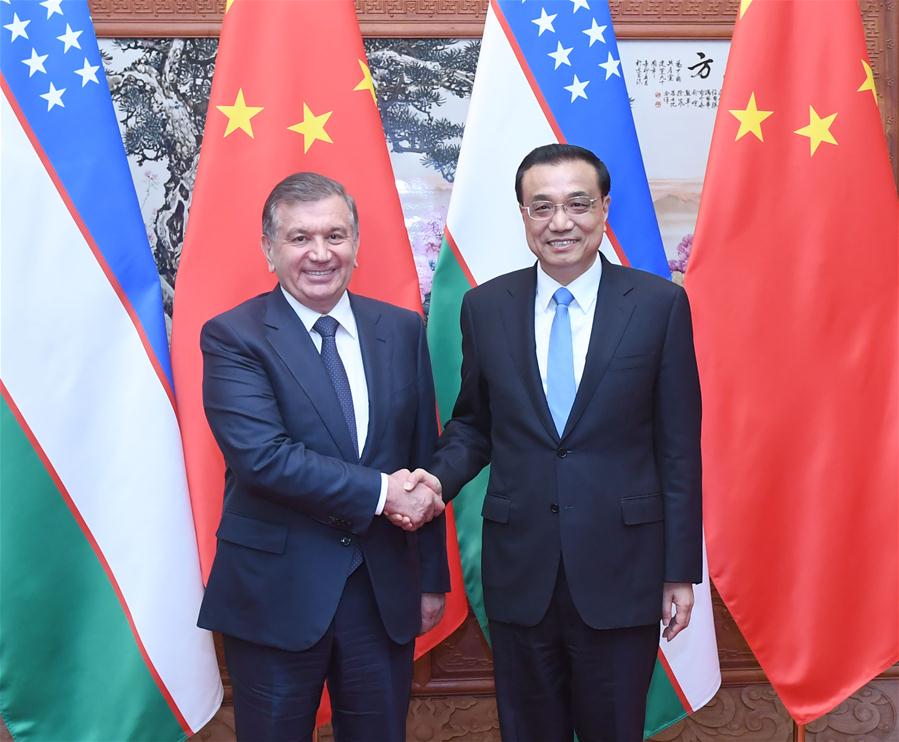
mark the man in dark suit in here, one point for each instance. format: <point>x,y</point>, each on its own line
<point>580,389</point>
<point>314,395</point>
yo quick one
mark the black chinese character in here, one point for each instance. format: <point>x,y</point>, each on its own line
<point>703,67</point>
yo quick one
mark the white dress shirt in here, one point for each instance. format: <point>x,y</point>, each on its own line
<point>580,313</point>
<point>347,339</point>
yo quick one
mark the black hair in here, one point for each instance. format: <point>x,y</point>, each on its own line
<point>553,154</point>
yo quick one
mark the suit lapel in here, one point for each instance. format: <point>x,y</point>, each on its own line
<point>292,343</point>
<point>376,355</point>
<point>612,315</point>
<point>518,318</point>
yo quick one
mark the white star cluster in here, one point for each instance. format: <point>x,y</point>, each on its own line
<point>41,38</point>
<point>570,26</point>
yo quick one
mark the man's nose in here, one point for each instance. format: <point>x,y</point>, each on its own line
<point>320,250</point>
<point>560,220</point>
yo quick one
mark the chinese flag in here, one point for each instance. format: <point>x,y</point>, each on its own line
<point>292,91</point>
<point>795,294</point>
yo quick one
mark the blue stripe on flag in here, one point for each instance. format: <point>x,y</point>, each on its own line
<point>60,86</point>
<point>564,43</point>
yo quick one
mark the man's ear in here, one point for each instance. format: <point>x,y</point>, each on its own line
<point>266,246</point>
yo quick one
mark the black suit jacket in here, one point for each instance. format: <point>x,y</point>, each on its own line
<point>617,496</point>
<point>297,496</point>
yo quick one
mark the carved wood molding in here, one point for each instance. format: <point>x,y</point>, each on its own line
<point>416,18</point>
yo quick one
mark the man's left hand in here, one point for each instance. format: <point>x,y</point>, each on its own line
<point>432,605</point>
<point>679,595</point>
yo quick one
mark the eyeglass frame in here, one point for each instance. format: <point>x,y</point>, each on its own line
<point>563,204</point>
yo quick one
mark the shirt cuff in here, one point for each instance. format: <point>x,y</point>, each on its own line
<point>382,498</point>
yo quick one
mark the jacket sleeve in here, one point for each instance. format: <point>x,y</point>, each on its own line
<point>464,448</point>
<point>246,421</point>
<point>678,414</point>
<point>435,576</point>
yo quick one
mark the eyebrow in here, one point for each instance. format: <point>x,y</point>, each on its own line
<point>573,194</point>
<point>328,230</point>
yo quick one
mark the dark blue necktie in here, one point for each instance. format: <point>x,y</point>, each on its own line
<point>561,387</point>
<point>327,327</point>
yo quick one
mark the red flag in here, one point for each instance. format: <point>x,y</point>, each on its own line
<point>795,292</point>
<point>291,91</point>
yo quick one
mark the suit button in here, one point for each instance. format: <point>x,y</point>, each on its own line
<point>554,508</point>
<point>346,541</point>
<point>562,452</point>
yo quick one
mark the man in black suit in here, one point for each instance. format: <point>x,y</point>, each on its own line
<point>314,395</point>
<point>580,389</point>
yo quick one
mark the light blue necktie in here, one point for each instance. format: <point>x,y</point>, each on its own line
<point>560,385</point>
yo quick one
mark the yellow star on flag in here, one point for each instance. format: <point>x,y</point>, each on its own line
<point>239,115</point>
<point>312,127</point>
<point>868,84</point>
<point>818,130</point>
<point>750,119</point>
<point>366,83</point>
<point>744,6</point>
<point>228,4</point>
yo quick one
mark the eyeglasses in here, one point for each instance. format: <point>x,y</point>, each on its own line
<point>542,211</point>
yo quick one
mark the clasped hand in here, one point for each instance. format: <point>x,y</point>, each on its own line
<point>413,498</point>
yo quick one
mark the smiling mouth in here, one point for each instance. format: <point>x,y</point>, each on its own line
<point>561,244</point>
<point>319,274</point>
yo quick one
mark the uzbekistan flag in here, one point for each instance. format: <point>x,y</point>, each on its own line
<point>99,576</point>
<point>550,72</point>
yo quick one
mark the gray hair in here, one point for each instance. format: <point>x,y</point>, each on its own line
<point>305,187</point>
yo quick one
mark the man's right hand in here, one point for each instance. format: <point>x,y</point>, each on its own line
<point>410,507</point>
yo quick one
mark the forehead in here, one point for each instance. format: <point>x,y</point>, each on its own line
<point>328,213</point>
<point>560,180</point>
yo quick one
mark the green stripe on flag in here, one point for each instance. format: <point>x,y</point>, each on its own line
<point>445,342</point>
<point>78,672</point>
<point>663,707</point>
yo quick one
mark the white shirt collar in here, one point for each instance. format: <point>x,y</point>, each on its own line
<point>342,312</point>
<point>584,288</point>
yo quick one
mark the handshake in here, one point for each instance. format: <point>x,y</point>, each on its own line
<point>413,498</point>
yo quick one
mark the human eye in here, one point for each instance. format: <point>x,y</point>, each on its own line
<point>578,205</point>
<point>335,238</point>
<point>541,209</point>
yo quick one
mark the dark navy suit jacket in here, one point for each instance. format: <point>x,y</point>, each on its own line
<point>617,495</point>
<point>297,496</point>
